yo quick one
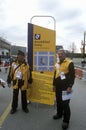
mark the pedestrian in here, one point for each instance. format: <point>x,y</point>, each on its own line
<point>6,65</point>
<point>0,63</point>
<point>64,76</point>
<point>19,74</point>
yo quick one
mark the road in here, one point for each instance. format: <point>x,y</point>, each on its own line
<point>40,115</point>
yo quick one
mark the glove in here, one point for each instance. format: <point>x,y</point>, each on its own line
<point>3,86</point>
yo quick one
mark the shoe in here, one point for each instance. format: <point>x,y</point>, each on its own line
<point>26,110</point>
<point>55,117</point>
<point>12,111</point>
<point>65,125</point>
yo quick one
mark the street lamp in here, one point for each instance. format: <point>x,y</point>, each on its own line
<point>84,44</point>
<point>83,51</point>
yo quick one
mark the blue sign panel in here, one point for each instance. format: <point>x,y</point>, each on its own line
<point>43,61</point>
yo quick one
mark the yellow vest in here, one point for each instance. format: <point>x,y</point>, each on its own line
<point>63,67</point>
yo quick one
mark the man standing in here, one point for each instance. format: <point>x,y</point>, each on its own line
<point>0,63</point>
<point>20,75</point>
<point>63,81</point>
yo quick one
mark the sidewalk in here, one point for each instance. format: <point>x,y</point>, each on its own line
<point>40,115</point>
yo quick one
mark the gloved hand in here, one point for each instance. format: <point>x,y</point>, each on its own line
<point>3,86</point>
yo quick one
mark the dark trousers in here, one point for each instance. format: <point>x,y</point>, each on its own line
<point>66,111</point>
<point>15,99</point>
<point>63,108</point>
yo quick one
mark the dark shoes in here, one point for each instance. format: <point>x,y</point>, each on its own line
<point>26,110</point>
<point>12,111</point>
<point>55,117</point>
<point>65,125</point>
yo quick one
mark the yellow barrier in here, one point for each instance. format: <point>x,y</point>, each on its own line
<point>41,90</point>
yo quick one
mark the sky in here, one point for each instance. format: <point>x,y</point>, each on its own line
<point>66,17</point>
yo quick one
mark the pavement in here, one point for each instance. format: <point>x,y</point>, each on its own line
<point>40,115</point>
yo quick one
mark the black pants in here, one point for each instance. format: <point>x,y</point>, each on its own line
<point>15,99</point>
<point>63,108</point>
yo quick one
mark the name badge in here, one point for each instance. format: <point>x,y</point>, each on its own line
<point>19,75</point>
<point>62,75</point>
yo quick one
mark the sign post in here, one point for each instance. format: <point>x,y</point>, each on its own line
<point>41,57</point>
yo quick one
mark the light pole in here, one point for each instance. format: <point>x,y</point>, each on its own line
<point>84,45</point>
<point>83,51</point>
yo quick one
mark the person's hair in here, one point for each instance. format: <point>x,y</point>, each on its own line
<point>61,50</point>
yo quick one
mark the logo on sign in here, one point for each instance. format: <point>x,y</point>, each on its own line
<point>37,36</point>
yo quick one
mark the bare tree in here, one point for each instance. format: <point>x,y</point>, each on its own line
<point>72,48</point>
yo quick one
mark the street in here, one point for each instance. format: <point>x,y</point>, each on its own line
<point>40,115</point>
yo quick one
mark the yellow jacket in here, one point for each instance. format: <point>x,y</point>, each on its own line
<point>22,72</point>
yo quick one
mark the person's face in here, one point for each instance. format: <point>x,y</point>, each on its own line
<point>21,58</point>
<point>61,55</point>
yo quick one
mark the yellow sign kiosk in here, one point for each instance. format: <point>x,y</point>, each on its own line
<point>41,57</point>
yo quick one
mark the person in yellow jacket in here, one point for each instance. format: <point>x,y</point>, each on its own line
<point>19,74</point>
<point>64,76</point>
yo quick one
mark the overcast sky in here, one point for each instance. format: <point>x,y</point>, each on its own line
<point>70,20</point>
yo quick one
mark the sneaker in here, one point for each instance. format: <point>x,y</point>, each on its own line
<point>55,117</point>
<point>26,110</point>
<point>12,111</point>
<point>65,125</point>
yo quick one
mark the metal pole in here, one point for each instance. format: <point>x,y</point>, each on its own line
<point>84,47</point>
<point>45,16</point>
<point>83,55</point>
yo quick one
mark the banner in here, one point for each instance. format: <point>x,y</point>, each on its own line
<point>41,58</point>
<point>41,90</point>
